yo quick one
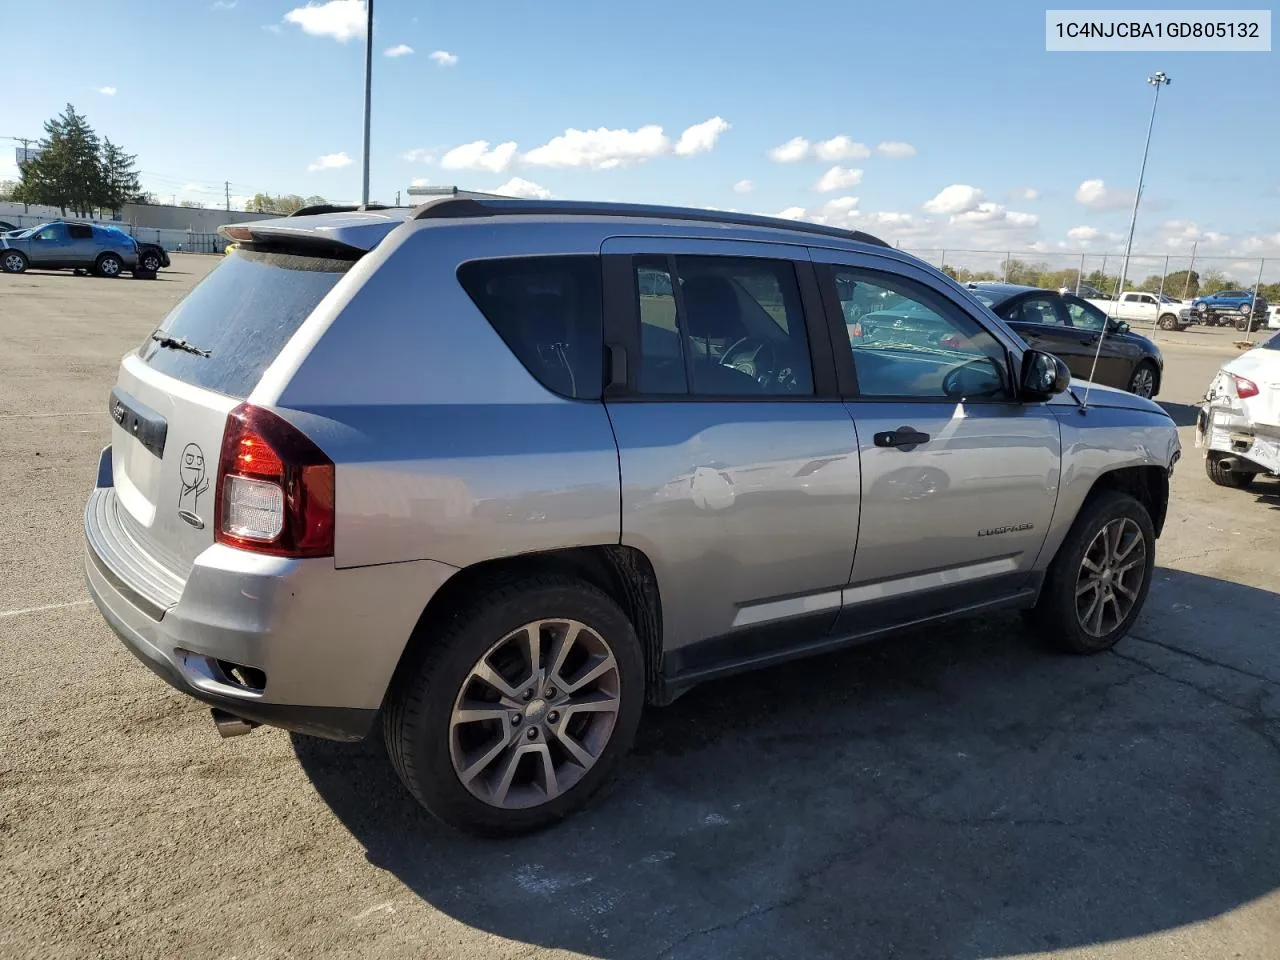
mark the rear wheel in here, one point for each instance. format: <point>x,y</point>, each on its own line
<point>520,708</point>
<point>1098,582</point>
<point>14,261</point>
<point>1143,381</point>
<point>108,265</point>
<point>1219,474</point>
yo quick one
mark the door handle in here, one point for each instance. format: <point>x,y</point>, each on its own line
<point>904,438</point>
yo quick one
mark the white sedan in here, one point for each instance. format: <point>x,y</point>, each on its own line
<point>1239,422</point>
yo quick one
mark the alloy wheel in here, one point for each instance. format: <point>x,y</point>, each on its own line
<point>1110,577</point>
<point>13,263</point>
<point>1144,382</point>
<point>534,714</point>
<point>110,267</point>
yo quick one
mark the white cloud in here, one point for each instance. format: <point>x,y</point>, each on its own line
<point>791,213</point>
<point>840,148</point>
<point>600,149</point>
<point>419,155</point>
<point>330,161</point>
<point>223,4</point>
<point>838,178</point>
<point>743,186</point>
<point>419,182</point>
<point>1025,193</point>
<point>478,156</point>
<point>1095,195</point>
<point>271,28</point>
<point>399,50</point>
<point>957,198</point>
<point>1083,233</point>
<point>701,137</point>
<point>107,91</point>
<point>519,187</point>
<point>342,20</point>
<point>797,148</point>
<point>896,149</point>
<point>444,58</point>
<point>988,213</point>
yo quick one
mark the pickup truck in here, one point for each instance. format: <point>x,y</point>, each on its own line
<point>1140,308</point>
<point>1238,307</point>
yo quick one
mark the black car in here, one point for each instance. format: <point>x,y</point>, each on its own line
<point>6,226</point>
<point>1070,328</point>
<point>151,256</point>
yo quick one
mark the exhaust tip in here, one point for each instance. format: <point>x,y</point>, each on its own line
<point>229,725</point>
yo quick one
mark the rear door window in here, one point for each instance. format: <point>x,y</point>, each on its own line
<point>80,231</point>
<point>548,312</point>
<point>242,314</point>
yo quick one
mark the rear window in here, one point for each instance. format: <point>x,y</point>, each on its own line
<point>242,313</point>
<point>548,312</point>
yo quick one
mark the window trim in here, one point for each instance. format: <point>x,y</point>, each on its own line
<point>622,321</point>
<point>846,369</point>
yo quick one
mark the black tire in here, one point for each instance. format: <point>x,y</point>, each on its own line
<point>1145,367</point>
<point>108,265</point>
<point>1223,477</point>
<point>1054,616</point>
<point>416,718</point>
<point>150,263</point>
<point>1246,324</point>
<point>13,261</point>
<point>141,274</point>
<point>1168,322</point>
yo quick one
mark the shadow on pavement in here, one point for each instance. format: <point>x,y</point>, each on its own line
<point>1182,414</point>
<point>959,792</point>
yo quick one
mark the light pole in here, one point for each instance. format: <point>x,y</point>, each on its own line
<point>368,88</point>
<point>1158,79</point>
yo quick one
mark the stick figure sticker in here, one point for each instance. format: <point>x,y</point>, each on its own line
<point>195,481</point>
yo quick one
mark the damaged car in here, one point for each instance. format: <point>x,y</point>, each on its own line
<point>1239,421</point>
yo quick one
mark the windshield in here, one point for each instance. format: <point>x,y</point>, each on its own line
<point>985,297</point>
<point>23,234</point>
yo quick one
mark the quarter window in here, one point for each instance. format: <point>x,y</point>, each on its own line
<point>1037,310</point>
<point>911,342</point>
<point>79,231</point>
<point>721,326</point>
<point>548,312</point>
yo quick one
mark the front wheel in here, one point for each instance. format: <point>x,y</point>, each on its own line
<point>1098,582</point>
<point>520,708</point>
<point>14,261</point>
<point>150,262</point>
<point>1168,322</point>
<point>108,265</point>
<point>1143,381</point>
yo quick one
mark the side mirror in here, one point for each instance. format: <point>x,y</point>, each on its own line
<point>1043,376</point>
<point>1119,326</point>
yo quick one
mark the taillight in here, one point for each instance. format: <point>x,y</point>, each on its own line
<point>1245,387</point>
<point>275,488</point>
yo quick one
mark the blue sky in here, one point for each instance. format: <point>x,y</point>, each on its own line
<point>957,128</point>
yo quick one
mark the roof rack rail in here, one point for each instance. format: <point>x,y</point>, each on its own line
<point>479,205</point>
<point>336,208</point>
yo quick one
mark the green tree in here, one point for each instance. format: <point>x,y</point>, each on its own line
<point>1182,283</point>
<point>1214,281</point>
<point>119,177</point>
<point>68,170</point>
<point>283,204</point>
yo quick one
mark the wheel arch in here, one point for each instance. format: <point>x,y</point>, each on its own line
<point>624,573</point>
<point>1148,484</point>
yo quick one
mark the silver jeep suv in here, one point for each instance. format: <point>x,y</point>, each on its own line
<point>493,474</point>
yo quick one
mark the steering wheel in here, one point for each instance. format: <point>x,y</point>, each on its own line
<point>745,355</point>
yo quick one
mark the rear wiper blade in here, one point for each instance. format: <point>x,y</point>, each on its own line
<point>178,343</point>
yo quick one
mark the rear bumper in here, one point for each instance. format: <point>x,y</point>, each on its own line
<point>327,640</point>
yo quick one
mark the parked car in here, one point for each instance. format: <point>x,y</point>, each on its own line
<point>1239,421</point>
<point>1070,327</point>
<point>151,256</point>
<point>1273,316</point>
<point>1231,307</point>
<point>67,245</point>
<point>6,226</point>
<point>569,489</point>
<point>1145,309</point>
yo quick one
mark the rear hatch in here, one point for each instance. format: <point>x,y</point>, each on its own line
<point>171,401</point>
